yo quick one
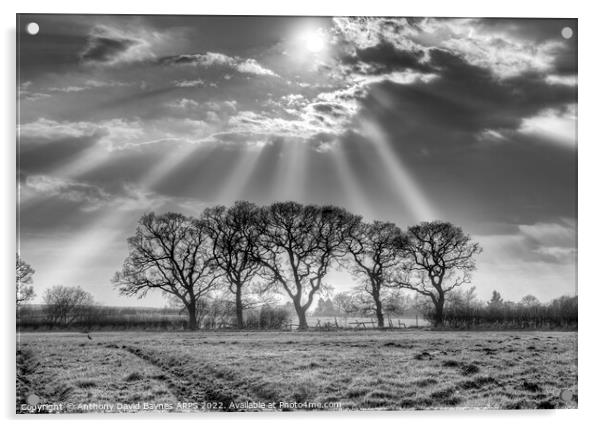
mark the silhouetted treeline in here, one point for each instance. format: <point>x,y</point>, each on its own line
<point>288,248</point>
<point>39,317</point>
<point>215,315</point>
<point>560,313</point>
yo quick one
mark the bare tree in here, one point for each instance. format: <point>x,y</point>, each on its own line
<point>233,232</point>
<point>66,305</point>
<point>439,258</point>
<point>462,298</point>
<point>344,303</point>
<point>24,279</point>
<point>171,253</point>
<point>376,249</point>
<point>530,301</point>
<point>297,245</point>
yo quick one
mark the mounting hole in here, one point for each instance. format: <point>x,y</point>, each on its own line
<point>33,28</point>
<point>567,32</point>
<point>566,395</point>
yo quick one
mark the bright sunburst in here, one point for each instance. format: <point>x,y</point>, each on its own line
<point>315,40</point>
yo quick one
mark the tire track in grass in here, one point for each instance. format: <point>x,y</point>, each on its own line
<point>29,383</point>
<point>189,382</point>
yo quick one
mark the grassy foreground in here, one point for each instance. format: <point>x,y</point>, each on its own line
<point>191,372</point>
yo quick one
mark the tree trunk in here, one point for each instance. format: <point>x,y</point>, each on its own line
<point>439,312</point>
<point>379,312</point>
<point>192,321</point>
<point>301,315</point>
<point>239,314</point>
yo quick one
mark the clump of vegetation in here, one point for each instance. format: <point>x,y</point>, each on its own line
<point>267,318</point>
<point>133,377</point>
<point>86,383</point>
<point>470,369</point>
<point>531,386</point>
<point>304,391</point>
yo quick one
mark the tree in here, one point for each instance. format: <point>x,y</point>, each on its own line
<point>496,300</point>
<point>297,245</point>
<point>233,232</point>
<point>530,301</point>
<point>24,278</point>
<point>439,258</point>
<point>463,299</point>
<point>171,253</point>
<point>376,249</point>
<point>396,303</point>
<point>343,302</point>
<point>66,305</point>
<point>325,308</point>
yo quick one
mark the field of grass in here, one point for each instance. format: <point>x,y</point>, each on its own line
<point>182,372</point>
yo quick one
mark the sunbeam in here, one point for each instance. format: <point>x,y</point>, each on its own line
<point>289,181</point>
<point>351,185</point>
<point>409,193</point>
<point>234,184</point>
<point>84,247</point>
<point>167,164</point>
<point>100,233</point>
<point>84,162</point>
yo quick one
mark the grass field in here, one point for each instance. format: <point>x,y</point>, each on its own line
<point>414,369</point>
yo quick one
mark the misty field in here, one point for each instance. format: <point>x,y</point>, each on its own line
<point>200,371</point>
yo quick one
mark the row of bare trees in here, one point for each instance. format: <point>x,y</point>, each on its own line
<point>289,248</point>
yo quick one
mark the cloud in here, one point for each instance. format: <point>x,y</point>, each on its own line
<point>183,104</point>
<point>551,235</point>
<point>541,242</point>
<point>558,125</point>
<point>91,196</point>
<point>111,45</point>
<point>458,103</point>
<point>116,134</point>
<point>189,83</point>
<point>47,130</point>
<point>87,85</point>
<point>408,42</point>
<point>251,66</point>
<point>554,79</point>
<point>214,59</point>
<point>105,49</point>
<point>25,93</point>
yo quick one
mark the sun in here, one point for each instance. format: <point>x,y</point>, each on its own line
<point>315,41</point>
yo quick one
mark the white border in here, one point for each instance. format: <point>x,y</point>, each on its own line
<point>589,197</point>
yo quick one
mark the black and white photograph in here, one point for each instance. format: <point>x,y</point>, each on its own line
<point>252,213</point>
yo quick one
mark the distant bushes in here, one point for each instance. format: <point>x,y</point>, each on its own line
<point>462,311</point>
<point>560,313</point>
<point>36,317</point>
<point>92,317</point>
<point>267,318</point>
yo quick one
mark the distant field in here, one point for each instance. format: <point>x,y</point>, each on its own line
<point>132,371</point>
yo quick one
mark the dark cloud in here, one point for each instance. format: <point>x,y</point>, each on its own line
<point>180,59</point>
<point>461,102</point>
<point>105,49</point>
<point>384,57</point>
<point>331,109</point>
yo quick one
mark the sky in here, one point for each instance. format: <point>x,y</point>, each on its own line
<point>471,121</point>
